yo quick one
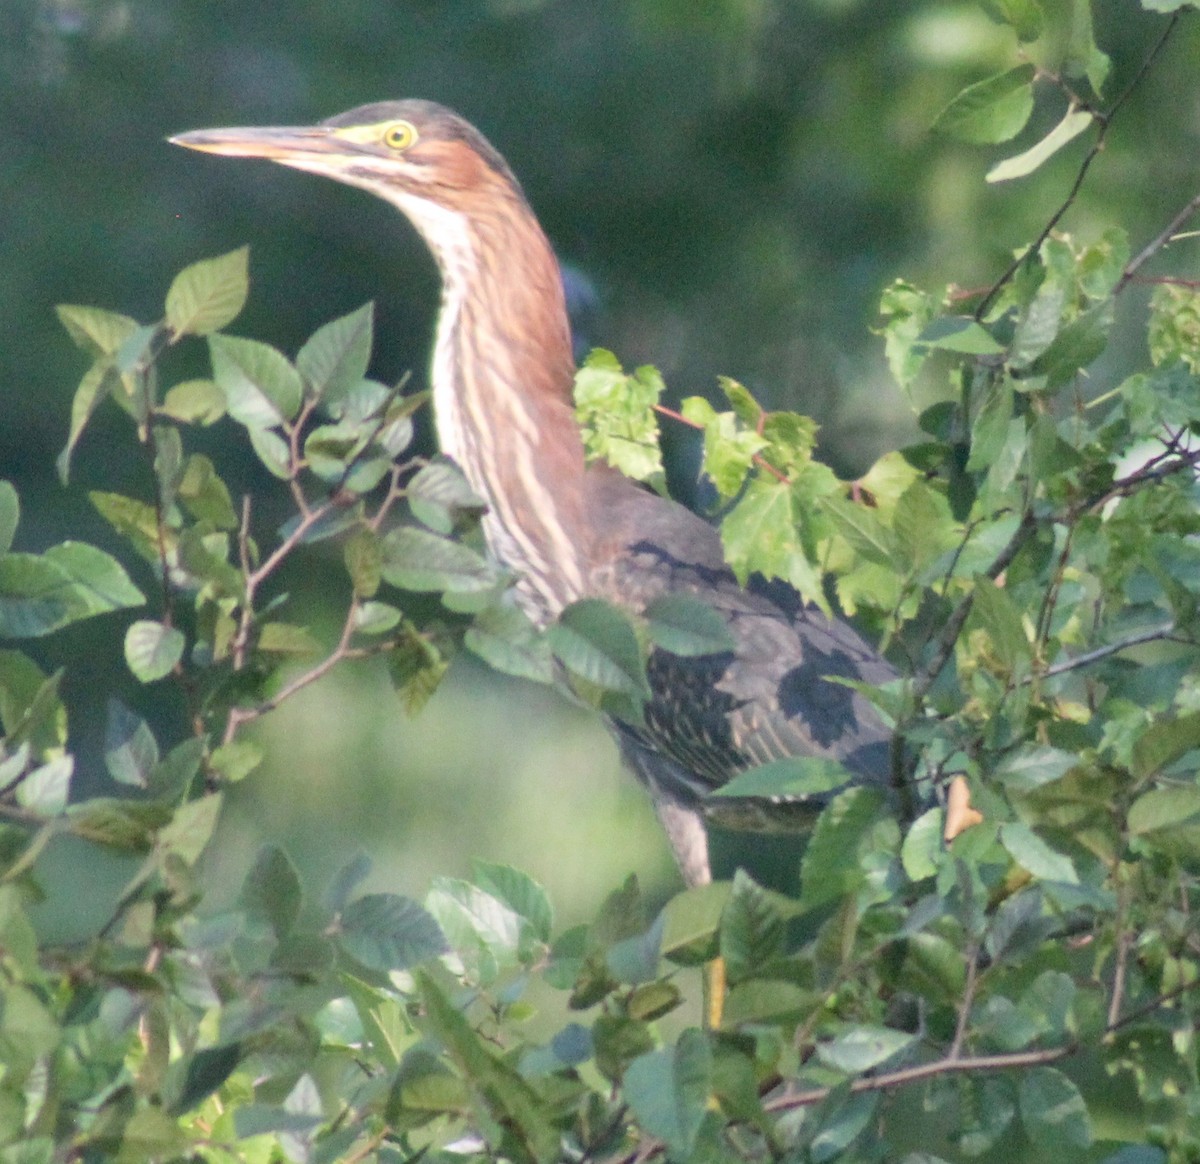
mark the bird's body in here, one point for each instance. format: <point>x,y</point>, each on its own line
<point>502,378</point>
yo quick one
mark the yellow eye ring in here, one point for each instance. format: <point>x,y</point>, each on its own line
<point>400,135</point>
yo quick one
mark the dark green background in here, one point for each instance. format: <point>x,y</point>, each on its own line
<point>734,180</point>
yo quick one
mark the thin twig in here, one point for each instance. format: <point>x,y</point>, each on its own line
<point>1157,244</point>
<point>1153,635</point>
<point>1104,121</point>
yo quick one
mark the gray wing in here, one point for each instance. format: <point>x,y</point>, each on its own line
<point>713,716</point>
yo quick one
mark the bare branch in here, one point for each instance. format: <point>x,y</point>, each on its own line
<point>1157,244</point>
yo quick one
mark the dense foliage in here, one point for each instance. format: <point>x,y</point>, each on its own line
<point>1027,988</point>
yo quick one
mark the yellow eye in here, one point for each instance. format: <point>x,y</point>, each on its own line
<point>400,135</point>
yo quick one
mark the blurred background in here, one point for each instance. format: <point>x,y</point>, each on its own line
<point>730,183</point>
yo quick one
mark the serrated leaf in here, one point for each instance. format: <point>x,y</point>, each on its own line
<point>795,778</point>
<point>864,529</point>
<point>685,625</point>
<point>616,413</point>
<point>191,828</point>
<point>1035,856</point>
<point>995,612</point>
<point>235,760</point>
<point>959,333</point>
<point>208,295</point>
<point>752,931</point>
<point>364,563</point>
<point>335,357</point>
<point>668,1091</point>
<point>262,388</point>
<point>386,932</point>
<point>204,495</point>
<point>271,892</point>
<point>990,111</point>
<point>1164,742</point>
<point>690,924</point>
<point>1024,16</point>
<point>1053,1112</point>
<point>482,929</point>
<point>520,892</point>
<point>152,649</point>
<point>1074,122</point>
<point>194,402</point>
<point>272,450</point>
<point>760,535</point>
<point>863,1047</point>
<point>510,1101</point>
<point>130,749</point>
<point>829,869</point>
<point>47,788</point>
<point>504,638</point>
<point>922,845</point>
<point>415,559</point>
<point>96,331</point>
<point>439,497</point>
<point>595,641</point>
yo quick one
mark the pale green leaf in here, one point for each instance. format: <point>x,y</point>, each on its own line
<point>992,110</point>
<point>208,295</point>
<point>152,649</point>
<point>1074,122</point>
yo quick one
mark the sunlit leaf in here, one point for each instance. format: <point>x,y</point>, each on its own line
<point>1074,122</point>
<point>210,294</point>
<point>990,111</point>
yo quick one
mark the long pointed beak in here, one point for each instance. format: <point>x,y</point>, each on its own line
<point>279,143</point>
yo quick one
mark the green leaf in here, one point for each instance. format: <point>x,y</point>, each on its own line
<point>1164,742</point>
<point>99,580</point>
<point>47,788</point>
<point>387,932</point>
<point>760,535</point>
<point>729,447</point>
<point>864,529</point>
<point>959,333</point>
<point>504,638</point>
<point>191,828</point>
<point>273,451</point>
<point>10,516</point>
<point>335,358</point>
<point>595,641</point>
<point>415,559</point>
<point>484,931</point>
<point>440,497</point>
<point>30,707</point>
<point>204,495</point>
<point>923,845</point>
<point>995,612</point>
<point>863,1047</point>
<point>261,387</point>
<point>235,760</point>
<point>271,893</point>
<point>751,934</point>
<point>1035,856</point>
<point>376,618</point>
<point>690,924</point>
<point>194,402</point>
<point>511,1102</point>
<point>209,295</point>
<point>830,868</point>
<point>1074,122</point>
<point>68,583</point>
<point>990,111</point>
<point>152,649</point>
<point>616,413</point>
<point>1024,16</point>
<point>796,778</point>
<point>519,892</point>
<point>668,1091</point>
<point>97,383</point>
<point>96,331</point>
<point>1169,817</point>
<point>130,749</point>
<point>1053,1112</point>
<point>685,625</point>
<point>1083,57</point>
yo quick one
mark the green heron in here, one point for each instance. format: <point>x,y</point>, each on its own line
<point>502,377</point>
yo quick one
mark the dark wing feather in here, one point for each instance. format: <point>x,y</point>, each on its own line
<point>713,716</point>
